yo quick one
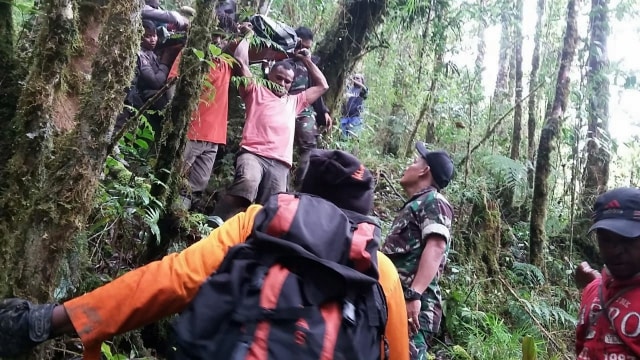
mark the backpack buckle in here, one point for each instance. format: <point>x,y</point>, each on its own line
<point>258,277</point>
<point>349,312</point>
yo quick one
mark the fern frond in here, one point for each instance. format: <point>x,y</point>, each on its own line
<point>508,172</point>
<point>529,274</point>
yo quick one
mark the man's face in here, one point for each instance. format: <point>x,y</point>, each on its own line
<point>413,172</point>
<point>305,44</point>
<point>149,40</point>
<point>620,254</point>
<point>281,77</point>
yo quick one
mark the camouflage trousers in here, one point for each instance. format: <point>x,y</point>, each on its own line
<point>305,140</point>
<point>430,315</point>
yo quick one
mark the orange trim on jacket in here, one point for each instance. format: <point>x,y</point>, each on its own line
<point>165,287</point>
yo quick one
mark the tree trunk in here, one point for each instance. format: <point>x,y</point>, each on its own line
<point>24,171</point>
<point>52,178</point>
<point>516,69</point>
<point>501,91</point>
<point>344,44</point>
<point>596,168</point>
<point>548,138</point>
<point>533,83</point>
<point>439,41</point>
<point>9,81</point>
<point>90,21</point>
<point>516,138</point>
<point>168,169</point>
<point>482,43</point>
<point>34,112</point>
<point>596,171</point>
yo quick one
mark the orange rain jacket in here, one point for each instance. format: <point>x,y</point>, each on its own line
<point>165,287</point>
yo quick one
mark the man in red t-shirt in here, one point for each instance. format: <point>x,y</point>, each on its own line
<point>266,154</point>
<point>609,318</point>
<point>208,127</point>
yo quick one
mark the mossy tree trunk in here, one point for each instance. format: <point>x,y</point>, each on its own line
<point>9,80</point>
<point>533,96</point>
<point>169,166</point>
<point>548,137</point>
<point>501,90</point>
<point>50,183</point>
<point>596,170</point>
<point>516,134</point>
<point>345,43</point>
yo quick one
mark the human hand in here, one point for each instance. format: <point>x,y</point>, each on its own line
<point>23,325</point>
<point>303,54</point>
<point>585,274</point>
<point>328,122</point>
<point>245,28</point>
<point>413,313</point>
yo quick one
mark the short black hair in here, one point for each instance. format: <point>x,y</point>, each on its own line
<point>304,33</point>
<point>149,25</point>
<point>285,64</point>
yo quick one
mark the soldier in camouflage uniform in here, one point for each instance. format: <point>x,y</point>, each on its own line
<point>306,133</point>
<point>419,243</point>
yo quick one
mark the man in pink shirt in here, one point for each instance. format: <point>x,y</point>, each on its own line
<point>266,154</point>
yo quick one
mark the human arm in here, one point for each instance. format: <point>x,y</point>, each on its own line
<point>320,85</point>
<point>428,266</point>
<point>322,111</point>
<point>164,16</point>
<point>152,78</point>
<point>364,92</point>
<point>434,217</point>
<point>585,274</point>
<point>149,293</point>
<point>241,53</point>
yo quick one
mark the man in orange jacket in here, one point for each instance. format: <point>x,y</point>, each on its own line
<point>166,287</point>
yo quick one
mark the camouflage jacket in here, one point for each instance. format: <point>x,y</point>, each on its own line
<point>302,82</point>
<point>426,213</point>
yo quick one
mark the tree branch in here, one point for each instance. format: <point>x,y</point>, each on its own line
<point>493,128</point>
<point>116,137</point>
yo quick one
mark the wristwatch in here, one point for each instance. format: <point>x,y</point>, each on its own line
<point>410,294</point>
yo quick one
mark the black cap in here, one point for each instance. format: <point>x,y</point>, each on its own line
<point>440,164</point>
<point>618,211</point>
<point>340,178</point>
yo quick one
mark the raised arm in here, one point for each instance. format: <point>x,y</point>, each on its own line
<point>164,16</point>
<point>242,51</point>
<point>320,85</point>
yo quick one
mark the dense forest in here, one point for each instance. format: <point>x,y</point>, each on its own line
<point>533,99</point>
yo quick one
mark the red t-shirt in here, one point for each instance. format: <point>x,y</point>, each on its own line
<point>209,122</point>
<point>595,336</point>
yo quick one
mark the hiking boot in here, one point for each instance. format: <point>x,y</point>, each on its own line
<point>214,221</point>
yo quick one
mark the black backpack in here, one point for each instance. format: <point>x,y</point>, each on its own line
<point>276,32</point>
<point>303,286</point>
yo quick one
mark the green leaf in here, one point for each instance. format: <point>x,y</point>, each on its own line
<point>199,53</point>
<point>214,50</point>
<point>106,350</point>
<point>528,348</point>
<point>142,144</point>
